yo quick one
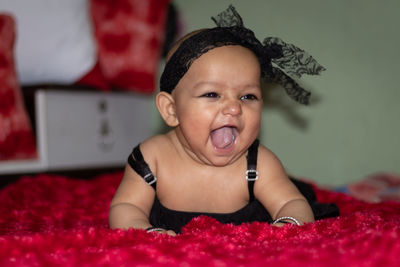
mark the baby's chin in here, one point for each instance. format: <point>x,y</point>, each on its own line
<point>208,155</point>
<point>226,160</point>
<point>216,154</point>
<point>225,156</point>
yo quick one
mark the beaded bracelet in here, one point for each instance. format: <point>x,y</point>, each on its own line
<point>281,219</point>
<point>154,229</point>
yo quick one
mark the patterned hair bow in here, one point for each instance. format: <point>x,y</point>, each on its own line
<point>278,60</point>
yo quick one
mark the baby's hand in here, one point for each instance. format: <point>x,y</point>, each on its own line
<point>279,224</point>
<point>161,231</point>
<point>171,233</point>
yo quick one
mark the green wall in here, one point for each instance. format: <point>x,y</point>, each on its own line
<point>351,128</point>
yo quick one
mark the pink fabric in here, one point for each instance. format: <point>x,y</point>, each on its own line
<point>16,137</point>
<point>377,187</point>
<point>49,220</point>
<point>130,35</point>
<point>95,79</point>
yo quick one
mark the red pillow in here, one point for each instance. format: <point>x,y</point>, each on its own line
<point>16,137</point>
<point>130,36</point>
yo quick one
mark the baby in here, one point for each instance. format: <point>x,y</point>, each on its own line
<point>210,162</point>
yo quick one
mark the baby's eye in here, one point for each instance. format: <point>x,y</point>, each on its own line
<point>249,97</point>
<point>211,95</point>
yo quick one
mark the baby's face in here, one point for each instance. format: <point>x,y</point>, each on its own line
<point>218,105</point>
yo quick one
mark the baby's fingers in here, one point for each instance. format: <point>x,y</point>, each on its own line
<point>161,231</point>
<point>171,233</point>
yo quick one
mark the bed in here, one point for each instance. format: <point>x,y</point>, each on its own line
<point>62,220</point>
<point>53,220</point>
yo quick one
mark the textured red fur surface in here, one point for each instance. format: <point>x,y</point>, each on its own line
<point>48,220</point>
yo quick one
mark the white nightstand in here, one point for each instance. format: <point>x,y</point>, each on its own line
<point>81,130</point>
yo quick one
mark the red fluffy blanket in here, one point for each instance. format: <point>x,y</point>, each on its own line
<point>58,221</point>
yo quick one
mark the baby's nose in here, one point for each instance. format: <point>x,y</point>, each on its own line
<point>232,107</point>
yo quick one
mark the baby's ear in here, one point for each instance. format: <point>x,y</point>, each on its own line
<point>166,106</point>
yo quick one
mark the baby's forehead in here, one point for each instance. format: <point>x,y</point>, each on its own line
<point>223,67</point>
<point>229,54</point>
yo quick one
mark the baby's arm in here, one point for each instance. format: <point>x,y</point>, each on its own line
<point>298,209</point>
<point>131,205</point>
<point>277,193</point>
<point>132,202</point>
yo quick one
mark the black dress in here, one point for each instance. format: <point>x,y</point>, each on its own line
<point>163,217</point>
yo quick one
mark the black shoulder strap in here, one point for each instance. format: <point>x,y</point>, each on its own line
<point>251,173</point>
<point>137,162</point>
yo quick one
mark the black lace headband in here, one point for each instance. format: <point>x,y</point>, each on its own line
<point>275,56</point>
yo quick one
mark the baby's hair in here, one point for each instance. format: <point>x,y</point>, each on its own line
<point>178,43</point>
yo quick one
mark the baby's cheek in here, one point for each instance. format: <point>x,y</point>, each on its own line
<point>254,128</point>
<point>193,125</point>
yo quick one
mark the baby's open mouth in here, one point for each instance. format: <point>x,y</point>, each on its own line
<point>224,137</point>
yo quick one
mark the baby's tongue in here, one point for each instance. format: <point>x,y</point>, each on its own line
<point>223,137</point>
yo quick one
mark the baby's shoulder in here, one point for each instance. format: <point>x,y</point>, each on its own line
<point>155,147</point>
<point>158,150</point>
<point>270,168</point>
<point>156,143</point>
<point>267,158</point>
